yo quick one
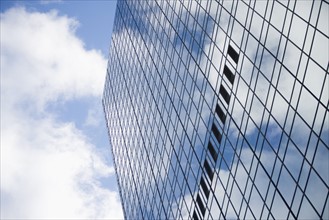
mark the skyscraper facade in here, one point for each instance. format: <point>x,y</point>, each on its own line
<point>219,109</point>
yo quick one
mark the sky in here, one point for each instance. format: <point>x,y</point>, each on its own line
<point>55,156</point>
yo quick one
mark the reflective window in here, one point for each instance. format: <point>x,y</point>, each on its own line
<point>219,109</point>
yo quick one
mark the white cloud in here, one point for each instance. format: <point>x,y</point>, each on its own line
<point>41,52</point>
<point>49,169</point>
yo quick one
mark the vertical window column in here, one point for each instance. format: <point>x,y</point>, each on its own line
<point>207,176</point>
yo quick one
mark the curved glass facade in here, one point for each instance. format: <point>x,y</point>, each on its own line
<point>219,109</point>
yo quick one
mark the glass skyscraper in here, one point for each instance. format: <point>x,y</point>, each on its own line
<point>219,109</point>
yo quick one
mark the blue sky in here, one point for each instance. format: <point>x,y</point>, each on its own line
<point>95,18</point>
<point>55,153</point>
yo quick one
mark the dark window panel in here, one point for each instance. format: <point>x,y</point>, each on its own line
<point>208,169</point>
<point>204,187</point>
<point>224,94</point>
<point>228,73</point>
<point>216,133</point>
<point>233,54</point>
<point>212,151</point>
<point>201,205</point>
<point>220,113</point>
<point>195,216</point>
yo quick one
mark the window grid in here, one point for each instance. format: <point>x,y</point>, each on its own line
<point>191,127</point>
